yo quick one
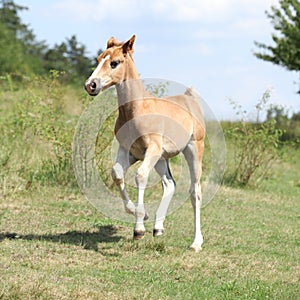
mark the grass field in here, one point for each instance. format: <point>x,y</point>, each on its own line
<point>55,245</point>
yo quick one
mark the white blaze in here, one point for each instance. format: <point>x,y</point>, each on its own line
<point>98,68</point>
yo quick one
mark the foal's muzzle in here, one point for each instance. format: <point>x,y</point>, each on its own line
<point>93,87</point>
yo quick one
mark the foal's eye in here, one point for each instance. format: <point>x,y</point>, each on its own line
<point>114,64</point>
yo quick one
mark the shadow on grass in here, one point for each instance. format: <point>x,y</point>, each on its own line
<point>85,239</point>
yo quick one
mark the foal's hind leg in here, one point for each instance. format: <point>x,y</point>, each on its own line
<point>123,162</point>
<point>193,155</point>
<point>168,183</point>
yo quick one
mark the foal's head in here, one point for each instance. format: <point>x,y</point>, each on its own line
<point>112,66</point>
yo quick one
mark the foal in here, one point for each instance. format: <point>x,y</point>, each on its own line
<point>152,130</point>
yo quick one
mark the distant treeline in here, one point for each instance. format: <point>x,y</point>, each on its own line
<point>22,54</point>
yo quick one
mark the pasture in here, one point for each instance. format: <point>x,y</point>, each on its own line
<point>55,245</point>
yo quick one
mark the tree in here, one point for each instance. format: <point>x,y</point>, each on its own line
<point>80,64</point>
<point>20,52</point>
<point>286,22</point>
<point>9,16</point>
<point>56,59</point>
<point>11,51</point>
<point>70,57</point>
<point>11,48</point>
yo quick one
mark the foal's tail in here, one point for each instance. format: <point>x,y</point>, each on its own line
<point>196,109</point>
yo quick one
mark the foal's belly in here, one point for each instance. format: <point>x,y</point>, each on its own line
<point>171,136</point>
<point>169,147</point>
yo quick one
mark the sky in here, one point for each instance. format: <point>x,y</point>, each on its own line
<point>207,44</point>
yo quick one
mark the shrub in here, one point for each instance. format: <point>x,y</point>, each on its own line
<point>254,146</point>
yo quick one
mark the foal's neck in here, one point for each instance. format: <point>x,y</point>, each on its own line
<point>132,87</point>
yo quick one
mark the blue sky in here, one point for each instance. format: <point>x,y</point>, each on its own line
<point>207,44</point>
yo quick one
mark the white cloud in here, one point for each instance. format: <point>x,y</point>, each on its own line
<point>192,10</point>
<point>97,10</point>
<point>213,11</point>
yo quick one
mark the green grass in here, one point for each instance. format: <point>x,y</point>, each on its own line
<point>55,245</point>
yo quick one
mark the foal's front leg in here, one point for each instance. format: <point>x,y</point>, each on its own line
<point>152,155</point>
<point>123,162</point>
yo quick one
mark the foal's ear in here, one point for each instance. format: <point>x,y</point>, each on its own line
<point>128,46</point>
<point>113,42</point>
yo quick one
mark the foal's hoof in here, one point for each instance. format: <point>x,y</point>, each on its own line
<point>158,232</point>
<point>196,248</point>
<point>138,234</point>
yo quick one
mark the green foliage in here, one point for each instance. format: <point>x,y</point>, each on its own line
<point>22,54</point>
<point>286,22</point>
<point>38,132</point>
<point>289,125</point>
<point>69,57</point>
<point>9,16</point>
<point>11,51</point>
<point>255,147</point>
<point>44,115</point>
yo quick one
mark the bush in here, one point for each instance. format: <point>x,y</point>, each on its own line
<point>253,146</point>
<point>290,126</point>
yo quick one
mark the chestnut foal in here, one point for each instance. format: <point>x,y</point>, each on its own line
<point>151,130</point>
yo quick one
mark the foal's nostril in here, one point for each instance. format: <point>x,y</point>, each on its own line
<point>93,85</point>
